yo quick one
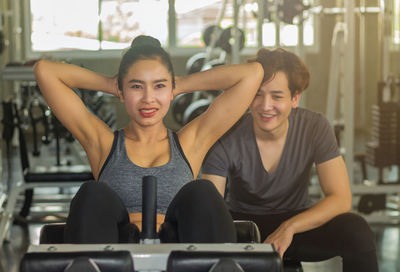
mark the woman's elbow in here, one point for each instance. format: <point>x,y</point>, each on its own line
<point>39,67</point>
<point>257,71</point>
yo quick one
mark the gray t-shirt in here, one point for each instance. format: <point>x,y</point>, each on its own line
<point>251,189</point>
<point>125,177</point>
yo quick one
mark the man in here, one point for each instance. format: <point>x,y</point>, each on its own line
<point>267,159</point>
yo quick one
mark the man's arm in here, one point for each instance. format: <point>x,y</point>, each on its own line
<point>335,185</point>
<point>219,182</point>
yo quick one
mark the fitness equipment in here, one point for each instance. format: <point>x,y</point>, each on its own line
<point>382,150</point>
<point>369,203</point>
<point>96,102</point>
<point>211,33</point>
<point>289,9</point>
<point>2,46</point>
<point>149,255</point>
<point>45,177</point>
<point>226,40</point>
<point>185,107</point>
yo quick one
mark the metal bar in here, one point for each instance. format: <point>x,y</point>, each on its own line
<point>16,31</point>
<point>362,49</point>
<point>8,213</point>
<point>348,81</point>
<point>334,71</point>
<point>171,24</point>
<point>235,47</point>
<point>260,23</point>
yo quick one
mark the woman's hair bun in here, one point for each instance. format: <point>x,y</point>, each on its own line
<point>144,40</point>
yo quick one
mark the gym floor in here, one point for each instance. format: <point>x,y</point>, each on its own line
<point>25,233</point>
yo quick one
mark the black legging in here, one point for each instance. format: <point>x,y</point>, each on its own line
<point>197,213</point>
<point>347,235</point>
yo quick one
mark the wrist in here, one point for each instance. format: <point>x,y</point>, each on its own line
<point>290,225</point>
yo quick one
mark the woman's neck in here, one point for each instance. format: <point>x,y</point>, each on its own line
<point>145,134</point>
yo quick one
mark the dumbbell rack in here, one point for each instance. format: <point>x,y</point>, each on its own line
<point>383,151</point>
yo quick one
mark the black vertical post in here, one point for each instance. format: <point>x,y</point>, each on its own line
<point>149,206</point>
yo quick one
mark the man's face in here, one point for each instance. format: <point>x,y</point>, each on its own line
<point>273,104</point>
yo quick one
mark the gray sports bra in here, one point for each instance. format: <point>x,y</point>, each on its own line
<point>125,177</point>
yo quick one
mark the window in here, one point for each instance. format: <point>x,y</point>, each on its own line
<point>396,22</point>
<point>192,18</point>
<point>93,25</point>
<point>53,27</point>
<point>59,25</point>
<point>121,20</point>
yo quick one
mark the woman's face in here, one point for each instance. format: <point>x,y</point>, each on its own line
<point>147,91</point>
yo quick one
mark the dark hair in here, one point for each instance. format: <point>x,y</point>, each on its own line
<point>281,60</point>
<point>142,48</point>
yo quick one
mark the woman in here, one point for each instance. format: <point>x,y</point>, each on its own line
<point>146,86</point>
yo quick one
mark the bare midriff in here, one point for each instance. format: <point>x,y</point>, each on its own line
<point>136,218</point>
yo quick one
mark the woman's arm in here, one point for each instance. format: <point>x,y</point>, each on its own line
<point>335,185</point>
<point>56,81</point>
<point>240,83</point>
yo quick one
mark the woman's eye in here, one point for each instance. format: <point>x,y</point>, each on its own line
<point>135,86</point>
<point>159,86</point>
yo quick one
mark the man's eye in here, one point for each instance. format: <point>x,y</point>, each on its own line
<point>159,86</point>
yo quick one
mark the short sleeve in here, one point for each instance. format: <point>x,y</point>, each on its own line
<point>216,161</point>
<point>325,144</point>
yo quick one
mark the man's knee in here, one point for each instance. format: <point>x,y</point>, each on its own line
<point>356,233</point>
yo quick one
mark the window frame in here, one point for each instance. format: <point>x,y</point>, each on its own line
<point>171,47</point>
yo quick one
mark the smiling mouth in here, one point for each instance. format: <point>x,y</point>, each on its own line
<point>148,112</point>
<point>267,115</point>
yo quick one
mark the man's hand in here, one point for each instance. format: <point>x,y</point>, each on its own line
<point>281,238</point>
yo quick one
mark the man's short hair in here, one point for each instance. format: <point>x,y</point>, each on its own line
<point>281,60</point>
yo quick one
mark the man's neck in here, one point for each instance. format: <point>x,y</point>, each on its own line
<point>275,135</point>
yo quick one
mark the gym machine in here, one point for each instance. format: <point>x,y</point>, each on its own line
<point>370,195</point>
<point>151,255</point>
<point>28,110</point>
<point>222,47</point>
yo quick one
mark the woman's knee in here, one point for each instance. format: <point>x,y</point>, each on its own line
<point>92,193</point>
<point>355,231</point>
<point>200,186</point>
<point>200,190</point>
